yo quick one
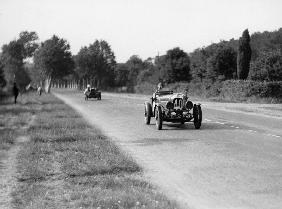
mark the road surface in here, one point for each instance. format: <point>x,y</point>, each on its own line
<point>233,161</point>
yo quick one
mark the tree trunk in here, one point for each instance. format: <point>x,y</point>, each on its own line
<point>48,84</point>
<point>98,83</point>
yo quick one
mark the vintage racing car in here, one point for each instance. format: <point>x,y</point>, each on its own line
<point>172,107</point>
<point>93,93</point>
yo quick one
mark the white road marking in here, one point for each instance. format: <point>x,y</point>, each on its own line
<point>219,122</point>
<point>207,120</point>
<point>273,135</point>
<point>232,126</point>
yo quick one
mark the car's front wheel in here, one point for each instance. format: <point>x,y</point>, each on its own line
<point>159,118</point>
<point>148,112</point>
<point>197,114</point>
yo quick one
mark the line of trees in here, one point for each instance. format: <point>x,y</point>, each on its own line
<point>53,62</point>
<point>96,64</point>
<point>256,57</point>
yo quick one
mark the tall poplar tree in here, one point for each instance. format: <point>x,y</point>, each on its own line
<point>244,55</point>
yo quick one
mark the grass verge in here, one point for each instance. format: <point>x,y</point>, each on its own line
<point>13,117</point>
<point>68,164</point>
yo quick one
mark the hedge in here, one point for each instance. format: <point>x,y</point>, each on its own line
<point>229,90</point>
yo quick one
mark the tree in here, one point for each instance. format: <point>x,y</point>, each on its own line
<point>135,65</point>
<point>83,64</point>
<point>177,66</point>
<point>199,65</point>
<point>2,78</point>
<point>266,41</point>
<point>96,63</point>
<point>244,55</point>
<point>28,41</point>
<point>54,60</point>
<point>108,64</point>
<point>222,65</point>
<point>267,67</point>
<point>13,56</point>
<point>150,75</point>
<point>121,75</point>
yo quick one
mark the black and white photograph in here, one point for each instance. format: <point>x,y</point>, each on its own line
<point>140,104</point>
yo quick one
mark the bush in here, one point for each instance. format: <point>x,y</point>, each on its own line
<point>197,89</point>
<point>229,90</point>
<point>145,88</point>
<point>241,90</point>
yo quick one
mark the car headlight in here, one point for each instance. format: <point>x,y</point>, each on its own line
<point>169,105</point>
<point>189,105</point>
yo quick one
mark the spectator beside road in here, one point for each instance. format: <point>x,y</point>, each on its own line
<point>39,90</point>
<point>15,92</point>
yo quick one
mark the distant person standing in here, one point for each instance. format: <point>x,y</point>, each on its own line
<point>39,90</point>
<point>15,92</point>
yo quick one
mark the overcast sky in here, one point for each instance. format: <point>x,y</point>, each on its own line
<point>141,27</point>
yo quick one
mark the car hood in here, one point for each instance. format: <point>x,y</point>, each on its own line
<point>170,97</point>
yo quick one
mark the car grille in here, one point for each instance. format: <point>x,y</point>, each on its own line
<point>178,103</point>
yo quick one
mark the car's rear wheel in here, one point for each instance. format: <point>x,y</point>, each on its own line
<point>197,114</point>
<point>159,118</point>
<point>148,113</point>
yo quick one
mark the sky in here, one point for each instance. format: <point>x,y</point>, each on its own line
<point>138,27</point>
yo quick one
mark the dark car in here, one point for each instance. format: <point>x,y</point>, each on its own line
<point>93,93</point>
<point>172,107</point>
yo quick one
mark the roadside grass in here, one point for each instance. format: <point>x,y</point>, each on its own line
<point>13,117</point>
<point>6,138</point>
<point>68,164</point>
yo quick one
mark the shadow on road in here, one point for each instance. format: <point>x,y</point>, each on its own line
<point>190,126</point>
<point>158,141</point>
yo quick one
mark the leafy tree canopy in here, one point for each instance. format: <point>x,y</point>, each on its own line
<point>267,67</point>
<point>13,55</point>
<point>97,63</point>
<point>53,59</point>
<point>177,66</point>
<point>244,55</point>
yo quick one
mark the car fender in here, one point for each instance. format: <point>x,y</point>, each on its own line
<point>150,109</point>
<point>158,105</point>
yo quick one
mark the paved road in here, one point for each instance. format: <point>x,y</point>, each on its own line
<point>233,161</point>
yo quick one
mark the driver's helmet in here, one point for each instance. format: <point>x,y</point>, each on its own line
<point>160,86</point>
<point>88,86</point>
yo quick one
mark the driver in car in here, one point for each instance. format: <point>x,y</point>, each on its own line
<point>160,86</point>
<point>87,90</point>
